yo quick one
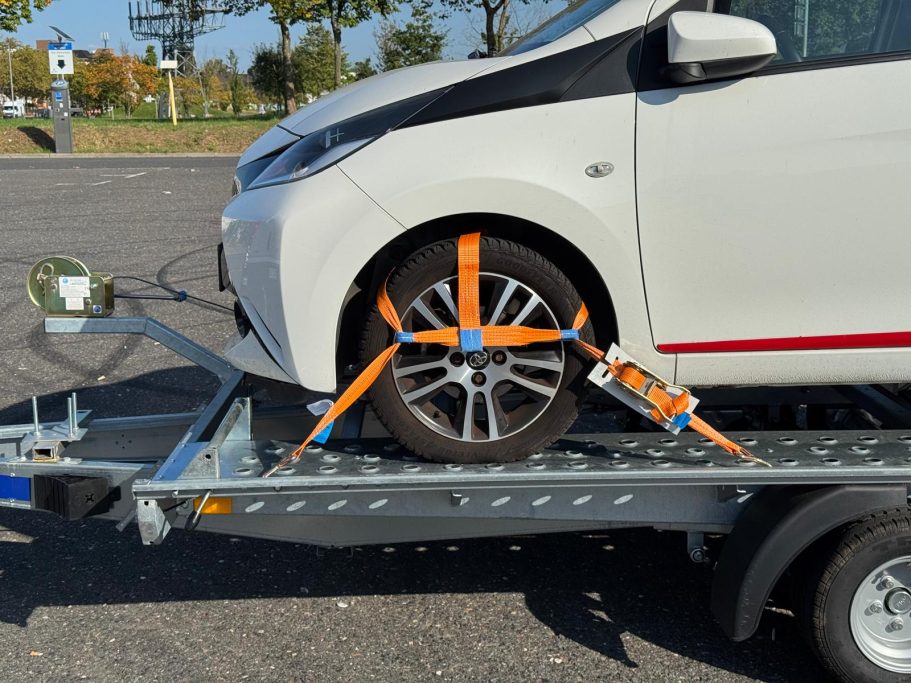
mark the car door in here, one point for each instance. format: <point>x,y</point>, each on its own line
<point>774,209</point>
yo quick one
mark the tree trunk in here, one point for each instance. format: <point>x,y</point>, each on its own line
<point>337,43</point>
<point>287,69</point>
<point>503,24</point>
<point>491,34</point>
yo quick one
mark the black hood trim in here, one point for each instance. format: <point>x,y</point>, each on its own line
<point>604,67</point>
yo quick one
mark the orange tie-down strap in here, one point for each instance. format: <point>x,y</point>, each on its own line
<point>472,336</point>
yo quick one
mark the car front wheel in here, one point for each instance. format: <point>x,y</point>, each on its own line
<point>495,405</point>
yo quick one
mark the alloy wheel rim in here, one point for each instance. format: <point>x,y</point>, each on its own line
<point>881,615</point>
<point>483,396</point>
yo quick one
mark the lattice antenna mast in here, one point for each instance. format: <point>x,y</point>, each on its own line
<point>176,24</point>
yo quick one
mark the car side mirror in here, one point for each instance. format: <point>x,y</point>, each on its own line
<point>702,46</point>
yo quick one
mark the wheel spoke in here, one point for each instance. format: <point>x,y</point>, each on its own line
<point>532,385</point>
<point>544,364</point>
<point>467,430</point>
<point>493,415</point>
<point>505,295</point>
<point>529,307</point>
<point>428,315</point>
<point>415,368</point>
<point>426,390</point>
<point>443,291</point>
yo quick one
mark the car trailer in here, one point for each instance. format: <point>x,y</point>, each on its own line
<point>828,499</point>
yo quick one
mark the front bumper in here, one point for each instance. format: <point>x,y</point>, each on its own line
<point>292,253</point>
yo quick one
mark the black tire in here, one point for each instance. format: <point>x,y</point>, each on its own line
<point>433,264</point>
<point>835,573</point>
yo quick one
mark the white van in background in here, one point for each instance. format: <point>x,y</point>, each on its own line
<point>14,110</point>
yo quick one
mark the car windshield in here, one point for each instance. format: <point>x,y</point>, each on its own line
<point>571,18</point>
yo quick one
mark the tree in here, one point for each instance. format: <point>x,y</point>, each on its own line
<point>363,69</point>
<point>285,13</point>
<point>314,61</point>
<point>119,80</point>
<point>151,57</point>
<point>214,78</point>
<point>416,42</point>
<point>235,83</point>
<point>266,72</point>
<point>30,70</point>
<point>77,83</point>
<point>347,14</point>
<point>15,12</point>
<point>495,27</point>
<point>189,94</point>
<point>339,13</point>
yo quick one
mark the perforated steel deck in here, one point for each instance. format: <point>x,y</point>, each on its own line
<point>795,457</point>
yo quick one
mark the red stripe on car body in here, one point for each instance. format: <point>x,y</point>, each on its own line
<point>880,340</point>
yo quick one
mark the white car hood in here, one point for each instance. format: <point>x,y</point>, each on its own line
<point>362,96</point>
<point>394,86</point>
<point>380,90</point>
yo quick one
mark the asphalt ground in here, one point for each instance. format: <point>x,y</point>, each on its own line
<point>80,601</point>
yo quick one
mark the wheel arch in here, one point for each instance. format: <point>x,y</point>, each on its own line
<point>561,252</point>
<point>778,527</point>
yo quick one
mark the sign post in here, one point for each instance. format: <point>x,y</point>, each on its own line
<point>63,122</point>
<point>60,60</point>
<point>60,57</point>
<point>170,65</point>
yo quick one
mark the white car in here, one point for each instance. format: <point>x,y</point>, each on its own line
<point>725,185</point>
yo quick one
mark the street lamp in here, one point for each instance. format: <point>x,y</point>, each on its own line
<point>9,58</point>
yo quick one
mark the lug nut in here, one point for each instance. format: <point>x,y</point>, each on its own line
<point>499,357</point>
<point>457,359</point>
<point>478,379</point>
<point>876,607</point>
<point>897,624</point>
<point>888,582</point>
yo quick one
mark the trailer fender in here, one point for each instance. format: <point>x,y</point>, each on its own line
<point>780,523</point>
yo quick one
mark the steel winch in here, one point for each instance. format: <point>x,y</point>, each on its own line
<point>63,286</point>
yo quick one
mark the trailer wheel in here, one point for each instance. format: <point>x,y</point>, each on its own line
<point>497,405</point>
<point>857,611</point>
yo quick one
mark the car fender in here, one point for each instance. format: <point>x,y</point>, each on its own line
<point>483,164</point>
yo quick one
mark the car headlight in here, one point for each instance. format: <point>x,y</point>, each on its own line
<point>324,148</point>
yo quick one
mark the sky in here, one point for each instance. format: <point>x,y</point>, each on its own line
<point>86,19</point>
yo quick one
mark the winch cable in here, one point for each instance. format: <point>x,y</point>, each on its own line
<point>175,294</point>
<point>471,336</point>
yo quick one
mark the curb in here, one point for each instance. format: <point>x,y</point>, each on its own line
<point>124,155</point>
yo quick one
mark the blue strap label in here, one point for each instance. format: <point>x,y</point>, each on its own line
<point>323,436</point>
<point>569,335</point>
<point>682,420</point>
<point>404,337</point>
<point>471,340</point>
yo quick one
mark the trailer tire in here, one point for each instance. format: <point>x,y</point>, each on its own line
<point>416,280</point>
<point>843,577</point>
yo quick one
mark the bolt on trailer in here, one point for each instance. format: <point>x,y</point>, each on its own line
<point>834,500</point>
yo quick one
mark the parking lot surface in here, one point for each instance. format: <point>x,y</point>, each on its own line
<point>79,601</point>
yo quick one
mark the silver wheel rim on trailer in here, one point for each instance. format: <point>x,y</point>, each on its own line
<point>881,616</point>
<point>509,388</point>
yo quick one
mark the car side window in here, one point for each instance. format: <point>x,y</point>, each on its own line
<point>823,30</point>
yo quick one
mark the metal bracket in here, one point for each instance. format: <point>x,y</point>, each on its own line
<point>46,442</point>
<point>195,457</point>
<point>155,518</point>
<point>150,328</point>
